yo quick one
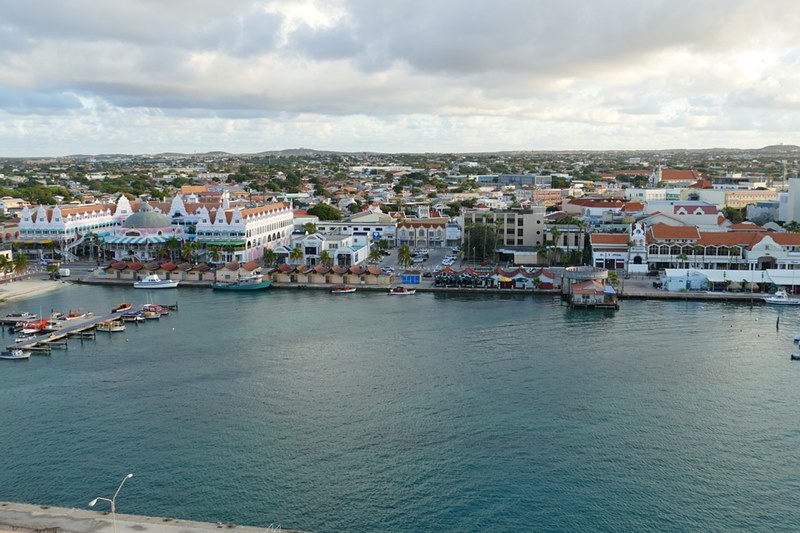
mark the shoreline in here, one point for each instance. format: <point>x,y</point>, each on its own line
<point>30,518</point>
<point>27,288</point>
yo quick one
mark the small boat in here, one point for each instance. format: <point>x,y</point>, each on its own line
<point>154,282</point>
<point>248,283</point>
<point>781,297</point>
<point>132,316</point>
<point>344,289</point>
<point>111,326</point>
<point>34,327</point>
<point>401,291</point>
<point>25,315</point>
<point>124,306</point>
<point>15,354</point>
<point>795,357</point>
<point>155,308</point>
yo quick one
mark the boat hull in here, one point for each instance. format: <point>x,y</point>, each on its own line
<point>163,284</point>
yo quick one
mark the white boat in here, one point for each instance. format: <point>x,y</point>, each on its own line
<point>154,282</point>
<point>111,326</point>
<point>15,354</point>
<point>344,289</point>
<point>781,297</point>
<point>401,291</point>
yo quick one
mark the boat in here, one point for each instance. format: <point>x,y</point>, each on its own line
<point>25,315</point>
<point>111,326</point>
<point>124,306</point>
<point>154,282</point>
<point>160,310</point>
<point>344,289</point>
<point>781,297</point>
<point>33,327</point>
<point>132,316</point>
<point>795,357</point>
<point>15,354</point>
<point>249,283</point>
<point>401,291</point>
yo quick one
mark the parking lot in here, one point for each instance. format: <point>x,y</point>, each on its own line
<point>435,258</point>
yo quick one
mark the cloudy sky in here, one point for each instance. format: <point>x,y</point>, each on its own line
<point>143,76</point>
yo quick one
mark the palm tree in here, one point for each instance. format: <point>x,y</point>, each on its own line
<point>20,263</point>
<point>296,255</point>
<point>269,257</point>
<point>171,245</point>
<point>325,258</point>
<point>213,253</point>
<point>555,233</point>
<point>188,251</point>
<point>375,255</point>
<point>404,256</point>
<point>6,265</point>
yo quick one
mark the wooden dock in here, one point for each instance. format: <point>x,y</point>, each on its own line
<point>54,339</point>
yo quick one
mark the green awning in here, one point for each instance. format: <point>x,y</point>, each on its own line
<point>221,243</point>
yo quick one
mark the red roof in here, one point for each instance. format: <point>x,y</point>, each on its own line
<point>609,238</point>
<point>665,231</point>
<point>671,174</point>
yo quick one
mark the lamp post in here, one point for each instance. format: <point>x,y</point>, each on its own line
<point>112,501</point>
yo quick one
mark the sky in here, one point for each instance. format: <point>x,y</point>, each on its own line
<point>148,76</point>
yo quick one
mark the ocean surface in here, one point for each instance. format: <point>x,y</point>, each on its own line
<point>366,412</point>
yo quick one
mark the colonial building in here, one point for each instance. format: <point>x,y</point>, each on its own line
<point>62,227</point>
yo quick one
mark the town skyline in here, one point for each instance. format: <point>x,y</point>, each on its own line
<point>351,76</point>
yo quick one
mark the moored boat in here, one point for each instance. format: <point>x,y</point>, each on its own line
<point>124,306</point>
<point>154,282</point>
<point>401,291</point>
<point>781,297</point>
<point>249,283</point>
<point>111,326</point>
<point>794,356</point>
<point>132,316</point>
<point>34,327</point>
<point>15,354</point>
<point>344,289</point>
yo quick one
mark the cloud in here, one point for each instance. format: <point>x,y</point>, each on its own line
<point>528,73</point>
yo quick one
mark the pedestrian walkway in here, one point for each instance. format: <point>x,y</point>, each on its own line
<point>26,518</point>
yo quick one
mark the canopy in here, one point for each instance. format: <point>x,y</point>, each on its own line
<point>151,239</point>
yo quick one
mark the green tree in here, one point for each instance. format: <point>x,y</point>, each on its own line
<point>480,241</point>
<point>269,257</point>
<point>296,255</point>
<point>555,233</point>
<point>326,258</point>
<point>309,228</point>
<point>375,255</point>
<point>325,212</point>
<point>405,256</point>
<point>20,263</point>
<point>736,216</point>
<point>792,227</point>
<point>171,245</point>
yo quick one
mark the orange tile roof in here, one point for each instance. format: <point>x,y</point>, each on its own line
<point>609,238</point>
<point>729,238</point>
<point>665,231</point>
<point>671,174</point>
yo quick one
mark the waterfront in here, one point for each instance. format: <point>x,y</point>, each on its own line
<point>449,412</point>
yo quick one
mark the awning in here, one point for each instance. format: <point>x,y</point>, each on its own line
<point>151,239</point>
<point>222,243</point>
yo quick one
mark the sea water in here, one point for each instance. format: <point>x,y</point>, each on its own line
<point>368,412</point>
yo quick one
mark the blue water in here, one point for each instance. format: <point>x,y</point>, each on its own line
<point>451,413</point>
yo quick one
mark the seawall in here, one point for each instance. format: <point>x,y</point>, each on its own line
<point>27,518</point>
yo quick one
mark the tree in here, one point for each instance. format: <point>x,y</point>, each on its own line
<point>326,258</point>
<point>20,263</point>
<point>296,255</point>
<point>187,251</point>
<point>325,212</point>
<point>555,233</point>
<point>269,257</point>
<point>736,216</point>
<point>375,255</point>
<point>480,240</point>
<point>6,265</point>
<point>792,227</point>
<point>171,245</point>
<point>404,256</point>
<point>309,228</point>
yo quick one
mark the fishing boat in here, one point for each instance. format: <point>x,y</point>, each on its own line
<point>401,291</point>
<point>781,297</point>
<point>161,310</point>
<point>15,354</point>
<point>154,282</point>
<point>344,289</point>
<point>124,306</point>
<point>248,283</point>
<point>111,326</point>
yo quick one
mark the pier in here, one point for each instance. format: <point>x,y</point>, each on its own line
<point>83,327</point>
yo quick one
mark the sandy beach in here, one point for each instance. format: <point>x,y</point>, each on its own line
<point>27,288</point>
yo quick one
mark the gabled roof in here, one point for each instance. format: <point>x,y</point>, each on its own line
<point>671,174</point>
<point>168,266</point>
<point>251,266</point>
<point>665,231</point>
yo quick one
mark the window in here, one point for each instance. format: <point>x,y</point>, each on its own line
<point>519,233</point>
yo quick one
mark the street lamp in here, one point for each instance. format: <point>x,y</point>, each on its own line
<point>112,501</point>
